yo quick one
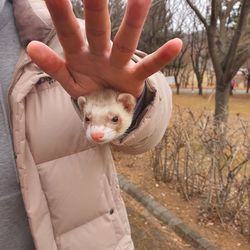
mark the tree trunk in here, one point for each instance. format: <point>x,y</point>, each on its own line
<point>221,102</point>
<point>231,90</point>
<point>200,86</point>
<point>177,89</point>
<point>177,84</point>
<point>248,85</point>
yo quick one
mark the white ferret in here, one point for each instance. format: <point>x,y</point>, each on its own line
<point>106,114</point>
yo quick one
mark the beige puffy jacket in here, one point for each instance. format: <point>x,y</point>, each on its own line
<point>70,188</point>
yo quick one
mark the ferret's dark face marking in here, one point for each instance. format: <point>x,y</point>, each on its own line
<point>106,115</point>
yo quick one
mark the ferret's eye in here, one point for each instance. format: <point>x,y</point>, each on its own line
<point>115,119</point>
<point>87,119</point>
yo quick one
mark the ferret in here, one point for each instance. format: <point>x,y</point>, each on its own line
<point>106,114</point>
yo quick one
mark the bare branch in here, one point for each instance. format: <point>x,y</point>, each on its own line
<point>214,13</point>
<point>197,12</point>
<point>228,62</point>
<point>241,58</point>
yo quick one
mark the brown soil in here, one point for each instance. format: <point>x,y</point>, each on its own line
<point>137,170</point>
<point>147,232</point>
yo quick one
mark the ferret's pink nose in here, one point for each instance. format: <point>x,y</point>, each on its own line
<point>97,136</point>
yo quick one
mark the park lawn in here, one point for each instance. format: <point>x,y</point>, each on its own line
<point>238,104</point>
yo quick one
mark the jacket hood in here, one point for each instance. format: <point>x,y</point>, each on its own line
<point>33,21</point>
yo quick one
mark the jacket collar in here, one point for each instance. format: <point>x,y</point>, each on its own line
<point>33,21</point>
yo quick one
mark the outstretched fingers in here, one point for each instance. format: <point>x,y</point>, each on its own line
<point>157,60</point>
<point>97,25</point>
<point>127,37</point>
<point>53,65</point>
<point>67,26</point>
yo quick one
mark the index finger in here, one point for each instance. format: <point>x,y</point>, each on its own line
<point>66,24</point>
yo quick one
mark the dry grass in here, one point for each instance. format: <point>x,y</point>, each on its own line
<point>238,104</point>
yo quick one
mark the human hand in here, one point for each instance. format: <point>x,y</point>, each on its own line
<point>90,60</point>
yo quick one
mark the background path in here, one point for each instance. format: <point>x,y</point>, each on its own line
<point>208,91</point>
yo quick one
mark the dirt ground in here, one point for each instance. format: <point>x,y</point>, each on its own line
<point>137,170</point>
<point>147,232</point>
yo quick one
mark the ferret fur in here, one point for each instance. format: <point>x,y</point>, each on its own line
<point>106,114</point>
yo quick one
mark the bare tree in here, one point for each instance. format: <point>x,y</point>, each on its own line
<point>77,8</point>
<point>185,75</point>
<point>156,28</point>
<point>227,27</point>
<point>199,53</point>
<point>179,66</point>
<point>116,9</point>
<point>179,27</point>
<point>210,74</point>
<point>246,73</point>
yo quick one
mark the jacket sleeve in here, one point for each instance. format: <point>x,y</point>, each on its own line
<point>152,122</point>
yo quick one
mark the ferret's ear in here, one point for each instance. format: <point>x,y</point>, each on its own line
<point>128,101</point>
<point>81,100</point>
